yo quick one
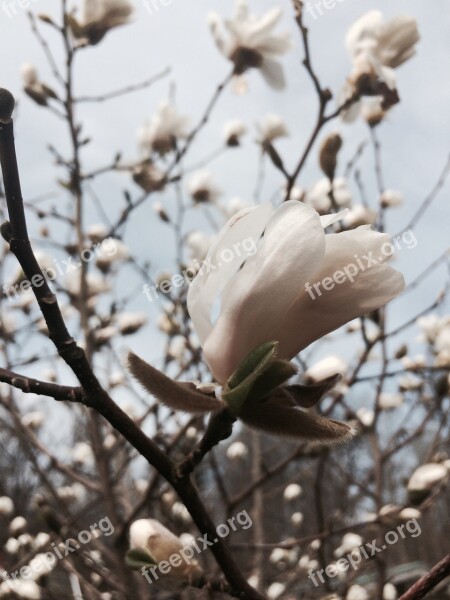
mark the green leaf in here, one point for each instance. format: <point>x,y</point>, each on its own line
<point>278,373</point>
<point>137,558</point>
<point>242,380</point>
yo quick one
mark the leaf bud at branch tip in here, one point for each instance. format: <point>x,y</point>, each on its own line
<point>7,104</point>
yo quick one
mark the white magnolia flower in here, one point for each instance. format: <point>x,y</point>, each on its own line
<point>198,244</point>
<point>430,325</point>
<point>263,296</point>
<point>34,420</point>
<point>389,592</point>
<point>271,128</point>
<point>17,525</point>
<point>391,42</point>
<point>161,544</point>
<point>202,188</point>
<point>95,284</point>
<point>388,401</point>
<point>236,451</point>
<point>98,17</point>
<point>407,514</point>
<point>233,131</point>
<point>42,539</point>
<point>36,90</point>
<point>442,343</point>
<point>6,506</point>
<point>365,416</point>
<point>349,542</point>
<point>359,215</point>
<point>82,454</point>
<point>391,198</point>
<point>149,177</point>
<point>426,477</point>
<point>376,48</point>
<point>27,589</point>
<point>327,367</point>
<point>129,323</point>
<point>372,110</point>
<point>164,128</point>
<point>233,206</point>
<point>275,590</point>
<point>12,546</point>
<point>318,197</point>
<point>410,383</point>
<point>297,519</point>
<point>97,233</point>
<point>356,592</point>
<point>278,554</point>
<point>292,492</point>
<point>251,42</point>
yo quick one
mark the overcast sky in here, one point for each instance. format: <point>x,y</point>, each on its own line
<point>415,137</point>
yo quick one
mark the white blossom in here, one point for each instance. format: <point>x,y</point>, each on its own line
<point>389,401</point>
<point>292,492</point>
<point>12,546</point>
<point>275,590</point>
<point>163,130</point>
<point>100,16</point>
<point>349,542</point>
<point>198,244</point>
<point>271,128</point>
<point>17,525</point>
<point>391,198</point>
<point>233,131</point>
<point>129,323</point>
<point>237,451</point>
<point>359,215</point>
<point>427,476</point>
<point>82,454</point>
<point>6,506</point>
<point>318,197</point>
<point>251,43</point>
<point>28,589</point>
<point>297,519</point>
<point>327,367</point>
<point>389,592</point>
<point>356,592</point>
<point>202,187</point>
<point>33,420</point>
<point>365,416</point>
<point>161,545</point>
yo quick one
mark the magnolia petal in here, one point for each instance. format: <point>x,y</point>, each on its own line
<point>177,396</point>
<point>273,73</point>
<point>268,284</point>
<point>277,417</point>
<point>314,315</point>
<point>328,220</point>
<point>365,27</point>
<point>248,224</point>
